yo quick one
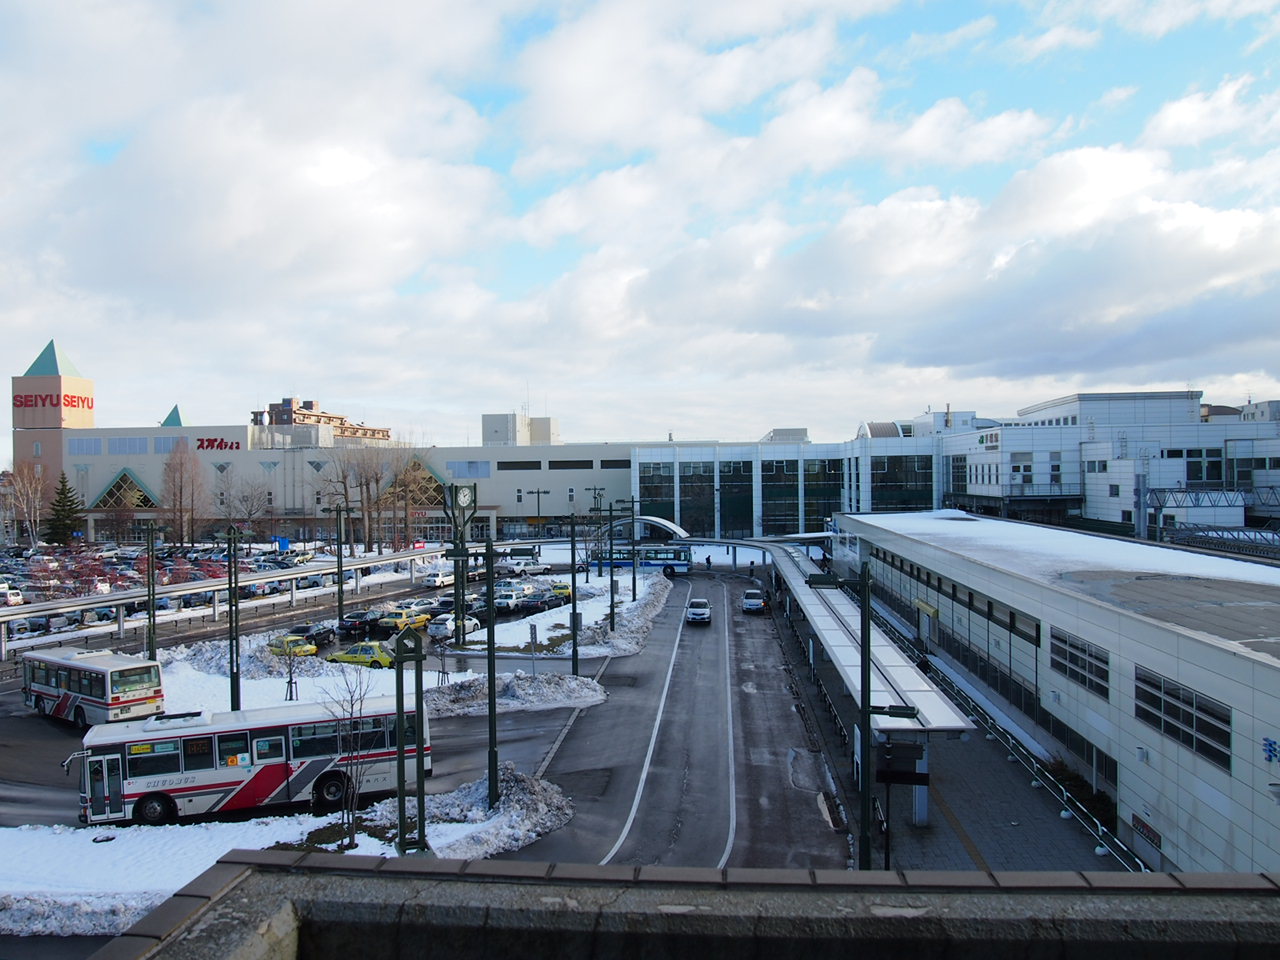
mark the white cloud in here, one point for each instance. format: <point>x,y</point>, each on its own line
<point>1198,117</point>
<point>1051,41</point>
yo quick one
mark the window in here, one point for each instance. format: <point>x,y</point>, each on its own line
<point>569,465</point>
<point>468,469</point>
<point>519,465</point>
<point>571,494</point>
<point>314,740</point>
<point>126,446</point>
<point>1198,722</point>
<point>1087,664</point>
<point>84,447</point>
<point>1126,516</point>
<point>615,464</point>
<point>231,747</point>
<point>1113,490</point>
<point>35,448</point>
<point>197,753</point>
<point>167,444</point>
<point>150,759</point>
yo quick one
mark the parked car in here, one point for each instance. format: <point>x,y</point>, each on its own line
<point>438,578</point>
<point>698,611</point>
<point>522,567</point>
<point>753,602</point>
<point>359,621</point>
<point>442,628</point>
<point>562,590</point>
<point>508,601</point>
<point>539,601</point>
<point>397,620</point>
<point>368,653</point>
<point>302,640</point>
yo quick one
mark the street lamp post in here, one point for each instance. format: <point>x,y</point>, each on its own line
<point>233,614</point>
<point>338,510</point>
<point>151,589</point>
<point>613,582</point>
<point>633,505</point>
<point>538,495</point>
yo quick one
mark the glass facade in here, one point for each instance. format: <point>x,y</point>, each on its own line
<point>698,497</point>
<point>901,483</point>
<point>735,499</point>
<point>779,496</point>
<point>823,483</point>
<point>658,490</point>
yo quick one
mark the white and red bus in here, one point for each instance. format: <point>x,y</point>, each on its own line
<point>91,686</point>
<point>157,770</point>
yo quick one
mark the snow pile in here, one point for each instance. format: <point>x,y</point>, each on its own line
<point>633,621</point>
<point>527,809</point>
<point>515,691</point>
<point>256,663</point>
<point>101,880</point>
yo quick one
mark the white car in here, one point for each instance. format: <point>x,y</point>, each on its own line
<point>698,611</point>
<point>442,628</point>
<point>437,578</point>
<point>523,567</point>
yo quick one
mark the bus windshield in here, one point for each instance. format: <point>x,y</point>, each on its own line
<point>135,678</point>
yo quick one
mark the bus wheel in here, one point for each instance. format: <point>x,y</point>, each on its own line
<point>668,571</point>
<point>81,721</point>
<point>329,791</point>
<point>154,809</point>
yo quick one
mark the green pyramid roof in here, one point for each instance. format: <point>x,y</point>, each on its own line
<point>52,363</point>
<point>174,419</point>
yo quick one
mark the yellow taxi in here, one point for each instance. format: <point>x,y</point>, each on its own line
<point>562,590</point>
<point>371,653</point>
<point>291,646</point>
<point>397,620</point>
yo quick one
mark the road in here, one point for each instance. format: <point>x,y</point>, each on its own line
<point>699,758</point>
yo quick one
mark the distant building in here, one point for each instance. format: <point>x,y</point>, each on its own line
<point>291,412</point>
<point>518,430</point>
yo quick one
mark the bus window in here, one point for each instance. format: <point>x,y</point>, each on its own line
<point>410,734</point>
<point>231,747</point>
<point>149,759</point>
<point>315,739</point>
<point>369,734</point>
<point>135,678</point>
<point>197,753</point>
<point>268,748</point>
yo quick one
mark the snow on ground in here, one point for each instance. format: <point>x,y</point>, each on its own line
<point>66,880</point>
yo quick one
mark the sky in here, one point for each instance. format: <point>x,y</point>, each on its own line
<point>640,218</point>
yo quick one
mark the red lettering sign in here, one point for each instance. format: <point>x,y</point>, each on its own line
<point>216,443</point>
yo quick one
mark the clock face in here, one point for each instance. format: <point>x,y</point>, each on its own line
<point>465,496</point>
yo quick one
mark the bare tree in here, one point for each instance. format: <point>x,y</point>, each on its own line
<point>371,470</point>
<point>31,494</point>
<point>183,492</point>
<point>338,486</point>
<point>345,703</point>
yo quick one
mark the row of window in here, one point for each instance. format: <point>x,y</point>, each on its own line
<point>121,446</point>
<point>1001,614</point>
<point>502,465</point>
<point>1198,722</point>
<point>188,754</point>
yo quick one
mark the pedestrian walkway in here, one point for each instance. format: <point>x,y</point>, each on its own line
<point>984,813</point>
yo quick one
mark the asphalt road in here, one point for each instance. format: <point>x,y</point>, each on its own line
<point>699,757</point>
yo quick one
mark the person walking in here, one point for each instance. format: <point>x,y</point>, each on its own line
<point>708,561</point>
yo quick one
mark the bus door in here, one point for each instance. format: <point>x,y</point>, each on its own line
<point>270,767</point>
<point>106,796</point>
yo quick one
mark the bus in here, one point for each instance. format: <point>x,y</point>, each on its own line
<point>90,687</point>
<point>671,559</point>
<point>173,766</point>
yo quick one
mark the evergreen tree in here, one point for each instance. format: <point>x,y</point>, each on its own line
<point>66,513</point>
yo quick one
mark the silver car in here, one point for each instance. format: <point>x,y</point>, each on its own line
<point>698,611</point>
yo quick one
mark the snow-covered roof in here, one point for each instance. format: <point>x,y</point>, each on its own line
<point>1235,600</point>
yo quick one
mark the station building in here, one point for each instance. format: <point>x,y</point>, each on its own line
<point>1082,459</point>
<point>1151,670</point>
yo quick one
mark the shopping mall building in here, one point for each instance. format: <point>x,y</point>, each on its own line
<point>1078,459</point>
